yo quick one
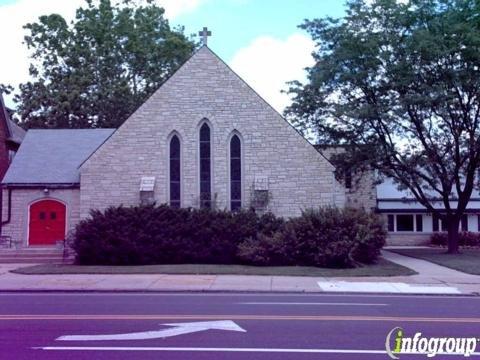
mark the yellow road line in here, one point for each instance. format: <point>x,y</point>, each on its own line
<point>240,317</point>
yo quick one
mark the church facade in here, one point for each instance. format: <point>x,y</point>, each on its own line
<point>203,139</point>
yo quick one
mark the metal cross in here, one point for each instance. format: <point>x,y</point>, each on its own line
<point>205,33</point>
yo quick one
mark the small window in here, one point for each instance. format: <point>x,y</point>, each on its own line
<point>404,222</point>
<point>419,221</point>
<point>391,223</point>
<point>435,221</point>
<point>462,226</point>
<point>53,215</point>
<point>464,222</point>
<point>443,224</point>
<point>42,215</point>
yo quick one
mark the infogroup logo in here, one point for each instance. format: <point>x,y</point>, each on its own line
<point>397,343</point>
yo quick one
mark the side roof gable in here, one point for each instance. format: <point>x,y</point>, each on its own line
<point>52,156</point>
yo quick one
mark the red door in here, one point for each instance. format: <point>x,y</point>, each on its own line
<point>47,222</point>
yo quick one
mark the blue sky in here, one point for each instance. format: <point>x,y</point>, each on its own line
<point>259,39</point>
<point>236,23</point>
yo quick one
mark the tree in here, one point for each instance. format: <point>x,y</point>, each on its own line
<point>96,71</point>
<point>5,89</point>
<point>398,82</point>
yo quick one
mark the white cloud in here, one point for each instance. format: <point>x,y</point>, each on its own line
<point>15,61</point>
<point>174,8</point>
<point>268,63</point>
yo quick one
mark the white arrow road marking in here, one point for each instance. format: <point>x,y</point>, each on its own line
<point>312,303</point>
<point>178,329</point>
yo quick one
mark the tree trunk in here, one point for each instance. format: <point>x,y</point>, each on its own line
<point>453,234</point>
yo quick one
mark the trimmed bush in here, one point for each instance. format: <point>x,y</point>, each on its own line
<point>328,237</point>
<point>465,238</point>
<point>164,235</point>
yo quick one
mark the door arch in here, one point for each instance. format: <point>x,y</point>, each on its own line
<point>47,222</point>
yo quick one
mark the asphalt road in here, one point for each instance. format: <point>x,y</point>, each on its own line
<point>275,326</point>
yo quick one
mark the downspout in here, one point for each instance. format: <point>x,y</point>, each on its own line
<point>334,190</point>
<point>9,212</point>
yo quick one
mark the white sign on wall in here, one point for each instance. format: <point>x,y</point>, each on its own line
<point>147,183</point>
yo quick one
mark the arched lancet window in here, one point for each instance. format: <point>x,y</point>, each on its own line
<point>205,167</point>
<point>175,175</point>
<point>235,173</point>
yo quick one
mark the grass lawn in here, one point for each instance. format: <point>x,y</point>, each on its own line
<point>467,261</point>
<point>382,268</point>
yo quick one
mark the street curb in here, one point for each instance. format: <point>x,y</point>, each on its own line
<point>229,291</point>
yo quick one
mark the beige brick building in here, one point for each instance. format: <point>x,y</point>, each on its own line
<point>204,138</point>
<point>360,188</point>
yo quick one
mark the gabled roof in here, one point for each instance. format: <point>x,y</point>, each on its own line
<point>14,132</point>
<point>204,49</point>
<point>53,156</point>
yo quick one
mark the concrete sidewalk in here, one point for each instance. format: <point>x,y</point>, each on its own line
<point>431,279</point>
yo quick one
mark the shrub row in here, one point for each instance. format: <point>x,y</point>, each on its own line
<point>326,237</point>
<point>164,235</point>
<point>465,238</point>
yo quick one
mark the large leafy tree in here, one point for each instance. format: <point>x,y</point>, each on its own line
<point>398,82</point>
<point>97,70</point>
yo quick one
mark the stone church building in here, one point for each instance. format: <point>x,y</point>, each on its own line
<point>203,139</point>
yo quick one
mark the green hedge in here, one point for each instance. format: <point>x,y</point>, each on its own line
<point>328,237</point>
<point>465,238</point>
<point>164,235</point>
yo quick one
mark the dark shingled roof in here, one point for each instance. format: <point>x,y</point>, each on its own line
<point>53,156</point>
<point>14,132</point>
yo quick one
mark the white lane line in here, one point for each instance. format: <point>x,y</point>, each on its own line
<point>207,349</point>
<point>313,303</point>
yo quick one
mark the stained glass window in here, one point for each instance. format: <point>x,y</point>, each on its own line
<point>235,173</point>
<point>205,167</point>
<point>175,176</point>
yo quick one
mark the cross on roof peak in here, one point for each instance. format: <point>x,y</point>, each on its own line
<point>205,33</point>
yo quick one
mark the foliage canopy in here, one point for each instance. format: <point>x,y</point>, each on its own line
<point>398,83</point>
<point>97,70</point>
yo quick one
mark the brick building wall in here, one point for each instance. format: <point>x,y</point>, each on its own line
<point>362,192</point>
<point>4,159</point>
<point>298,176</point>
<point>408,239</point>
<point>17,228</point>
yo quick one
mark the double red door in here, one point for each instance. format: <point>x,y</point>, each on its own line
<point>47,222</point>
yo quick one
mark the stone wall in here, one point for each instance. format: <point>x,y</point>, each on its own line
<point>408,239</point>
<point>363,191</point>
<point>21,200</point>
<point>205,88</point>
